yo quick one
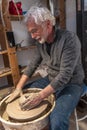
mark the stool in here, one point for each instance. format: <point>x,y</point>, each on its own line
<point>75,112</point>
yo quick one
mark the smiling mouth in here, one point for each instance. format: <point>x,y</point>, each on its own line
<point>38,39</point>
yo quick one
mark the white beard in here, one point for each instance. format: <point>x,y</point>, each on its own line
<point>42,40</point>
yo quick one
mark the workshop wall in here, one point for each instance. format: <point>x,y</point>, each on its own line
<point>21,34</point>
<point>71,15</point>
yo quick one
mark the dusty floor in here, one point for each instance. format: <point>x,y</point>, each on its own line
<point>81,112</point>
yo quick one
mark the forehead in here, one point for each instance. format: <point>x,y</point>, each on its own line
<point>31,24</point>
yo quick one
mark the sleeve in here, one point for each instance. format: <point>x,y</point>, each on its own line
<point>34,62</point>
<point>70,55</point>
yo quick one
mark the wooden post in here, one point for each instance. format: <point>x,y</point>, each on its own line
<point>10,58</point>
<point>62,16</point>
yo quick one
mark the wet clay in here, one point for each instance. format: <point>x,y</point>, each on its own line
<point>14,111</point>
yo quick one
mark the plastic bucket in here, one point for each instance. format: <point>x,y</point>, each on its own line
<point>37,124</point>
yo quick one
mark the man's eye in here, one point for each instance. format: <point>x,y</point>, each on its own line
<point>34,31</point>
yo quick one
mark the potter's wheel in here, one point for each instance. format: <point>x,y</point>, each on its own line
<point>14,111</point>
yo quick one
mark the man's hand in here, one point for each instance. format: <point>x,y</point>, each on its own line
<point>32,101</point>
<point>14,95</point>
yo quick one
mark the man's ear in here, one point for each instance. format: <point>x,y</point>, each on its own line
<point>49,24</point>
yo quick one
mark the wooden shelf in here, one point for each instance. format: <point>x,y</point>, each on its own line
<point>3,52</point>
<point>10,61</point>
<point>25,48</point>
<point>5,74</point>
<point>16,17</point>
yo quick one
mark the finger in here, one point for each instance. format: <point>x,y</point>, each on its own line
<point>25,101</point>
<point>9,99</point>
<point>28,107</point>
<point>29,103</point>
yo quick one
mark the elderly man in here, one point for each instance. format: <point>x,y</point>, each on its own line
<point>61,52</point>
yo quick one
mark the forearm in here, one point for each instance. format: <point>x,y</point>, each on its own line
<point>47,91</point>
<point>22,81</point>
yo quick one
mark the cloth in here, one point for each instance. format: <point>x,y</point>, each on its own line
<point>15,8</point>
<point>66,100</point>
<point>64,62</point>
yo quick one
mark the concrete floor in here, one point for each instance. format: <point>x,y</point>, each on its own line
<point>81,112</point>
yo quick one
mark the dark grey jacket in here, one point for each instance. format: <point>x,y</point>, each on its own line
<point>64,62</point>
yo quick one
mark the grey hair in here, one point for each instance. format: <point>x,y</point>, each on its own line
<point>39,14</point>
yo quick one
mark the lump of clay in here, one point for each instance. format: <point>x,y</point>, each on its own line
<point>22,99</point>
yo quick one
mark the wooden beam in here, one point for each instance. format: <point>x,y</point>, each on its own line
<point>62,15</point>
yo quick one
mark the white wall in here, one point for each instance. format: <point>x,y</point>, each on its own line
<point>71,15</point>
<point>26,4</point>
<point>20,31</point>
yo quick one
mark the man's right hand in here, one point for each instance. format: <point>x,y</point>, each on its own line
<point>14,95</point>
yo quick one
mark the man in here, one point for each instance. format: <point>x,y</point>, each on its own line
<point>61,52</point>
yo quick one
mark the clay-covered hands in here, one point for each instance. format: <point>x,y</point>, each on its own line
<point>14,95</point>
<point>32,101</point>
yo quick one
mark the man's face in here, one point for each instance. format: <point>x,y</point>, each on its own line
<point>38,32</point>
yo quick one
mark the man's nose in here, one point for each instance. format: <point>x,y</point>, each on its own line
<point>33,35</point>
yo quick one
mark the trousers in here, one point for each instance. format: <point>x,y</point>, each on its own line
<point>67,99</point>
